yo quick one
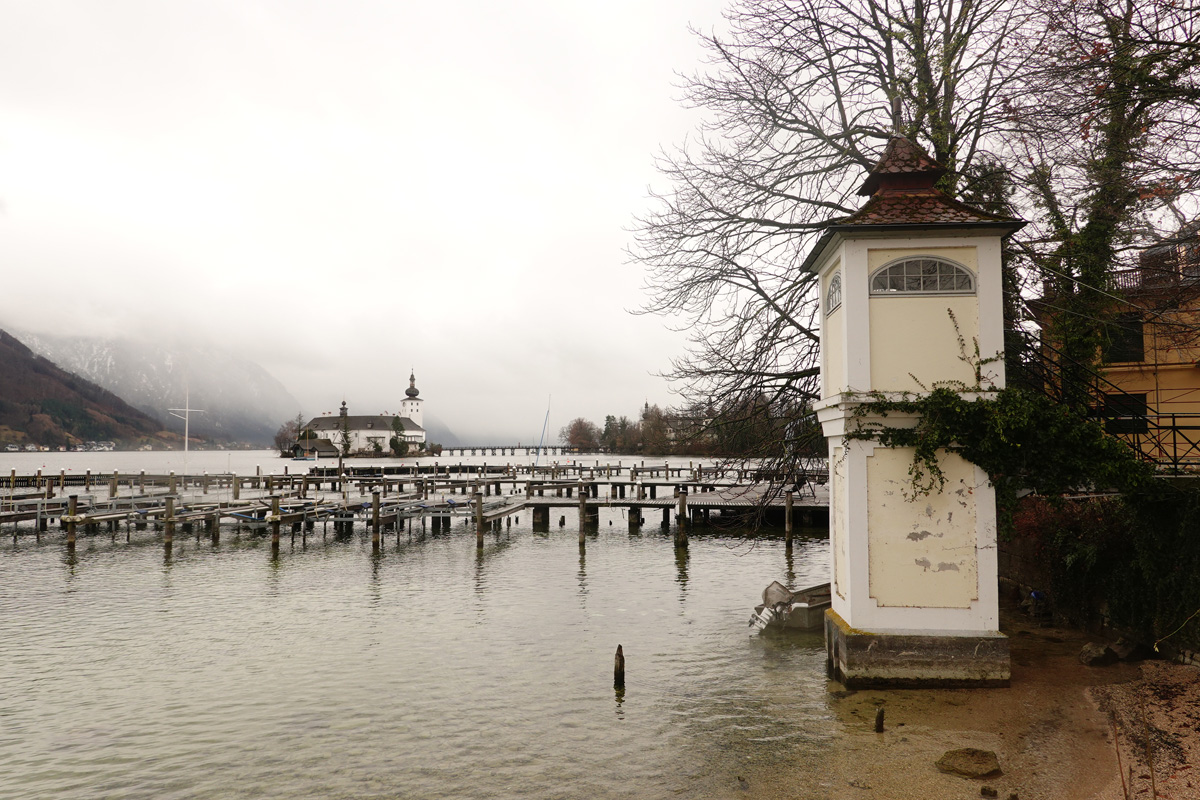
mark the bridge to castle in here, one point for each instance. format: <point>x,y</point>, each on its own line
<point>521,450</point>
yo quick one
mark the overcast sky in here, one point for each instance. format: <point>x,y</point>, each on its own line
<point>344,190</point>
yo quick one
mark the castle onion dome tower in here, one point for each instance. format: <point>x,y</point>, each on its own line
<point>410,406</point>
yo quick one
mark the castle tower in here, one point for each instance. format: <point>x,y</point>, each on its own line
<point>904,281</point>
<point>410,406</point>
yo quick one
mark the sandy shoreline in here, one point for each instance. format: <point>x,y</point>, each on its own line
<point>1051,730</point>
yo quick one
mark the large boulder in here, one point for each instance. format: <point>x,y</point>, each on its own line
<point>970,763</point>
<point>1095,654</point>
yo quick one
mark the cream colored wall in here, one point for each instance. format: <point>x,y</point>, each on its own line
<point>967,256</point>
<point>837,507</point>
<point>833,342</point>
<point>912,336</point>
<point>922,552</point>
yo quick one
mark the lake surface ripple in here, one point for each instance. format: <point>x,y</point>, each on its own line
<point>431,670</point>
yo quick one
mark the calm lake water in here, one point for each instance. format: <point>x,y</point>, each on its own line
<point>432,670</point>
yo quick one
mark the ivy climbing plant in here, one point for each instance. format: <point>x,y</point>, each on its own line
<point>1021,439</point>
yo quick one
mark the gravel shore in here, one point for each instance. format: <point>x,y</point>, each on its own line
<point>1055,731</point>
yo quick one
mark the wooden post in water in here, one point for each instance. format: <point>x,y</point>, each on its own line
<point>169,524</point>
<point>72,507</point>
<point>171,485</point>
<point>375,520</point>
<point>681,523</point>
<point>142,482</point>
<point>275,523</point>
<point>787,516</point>
<point>619,669</point>
<point>237,487</point>
<point>478,518</point>
<point>582,509</point>
<point>112,486</point>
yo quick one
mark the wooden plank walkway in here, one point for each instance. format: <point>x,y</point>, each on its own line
<point>388,500</point>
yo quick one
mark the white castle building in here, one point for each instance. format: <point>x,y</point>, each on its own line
<point>373,433</point>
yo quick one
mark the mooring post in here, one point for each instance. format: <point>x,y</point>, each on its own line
<point>275,523</point>
<point>787,516</point>
<point>142,482</point>
<point>619,669</point>
<point>478,518</point>
<point>169,523</point>
<point>171,482</point>
<point>375,519</point>
<point>582,510</point>
<point>72,507</point>
<point>681,523</point>
<point>112,486</point>
<point>237,487</point>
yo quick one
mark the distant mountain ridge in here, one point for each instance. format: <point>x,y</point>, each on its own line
<point>241,401</point>
<point>42,404</point>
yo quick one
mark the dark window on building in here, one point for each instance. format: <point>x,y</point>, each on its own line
<point>1125,413</point>
<point>1124,340</point>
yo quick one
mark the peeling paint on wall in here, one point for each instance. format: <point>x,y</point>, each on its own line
<point>922,553</point>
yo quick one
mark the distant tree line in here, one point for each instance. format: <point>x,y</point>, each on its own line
<point>746,429</point>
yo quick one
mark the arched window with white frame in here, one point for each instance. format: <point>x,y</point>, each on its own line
<point>833,295</point>
<point>922,275</point>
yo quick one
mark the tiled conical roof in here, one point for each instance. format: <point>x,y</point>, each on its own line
<point>901,186</point>
<point>902,157</point>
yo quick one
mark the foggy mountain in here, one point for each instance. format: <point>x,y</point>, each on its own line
<point>241,402</point>
<point>42,404</point>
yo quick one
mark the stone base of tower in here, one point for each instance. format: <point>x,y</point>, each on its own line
<point>862,660</point>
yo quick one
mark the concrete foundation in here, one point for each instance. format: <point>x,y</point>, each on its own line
<point>862,659</point>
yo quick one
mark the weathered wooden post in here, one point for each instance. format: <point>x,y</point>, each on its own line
<point>275,523</point>
<point>787,516</point>
<point>169,521</point>
<point>478,518</point>
<point>237,486</point>
<point>72,507</point>
<point>375,520</point>
<point>582,510</point>
<point>142,482</point>
<point>171,485</point>
<point>681,522</point>
<point>112,485</point>
<point>619,669</point>
<point>204,482</point>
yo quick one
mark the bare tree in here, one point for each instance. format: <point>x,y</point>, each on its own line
<point>801,97</point>
<point>580,433</point>
<point>1079,116</point>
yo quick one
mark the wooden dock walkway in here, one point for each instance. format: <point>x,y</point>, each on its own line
<point>391,497</point>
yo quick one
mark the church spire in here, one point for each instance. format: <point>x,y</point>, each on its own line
<point>412,390</point>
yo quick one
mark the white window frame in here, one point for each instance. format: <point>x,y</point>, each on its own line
<point>833,293</point>
<point>956,271</point>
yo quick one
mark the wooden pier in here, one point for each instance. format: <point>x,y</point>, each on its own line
<point>390,497</point>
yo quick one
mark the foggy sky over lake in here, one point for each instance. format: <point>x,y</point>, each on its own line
<point>344,191</point>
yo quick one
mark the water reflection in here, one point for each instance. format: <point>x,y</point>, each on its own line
<point>682,557</point>
<point>581,576</point>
